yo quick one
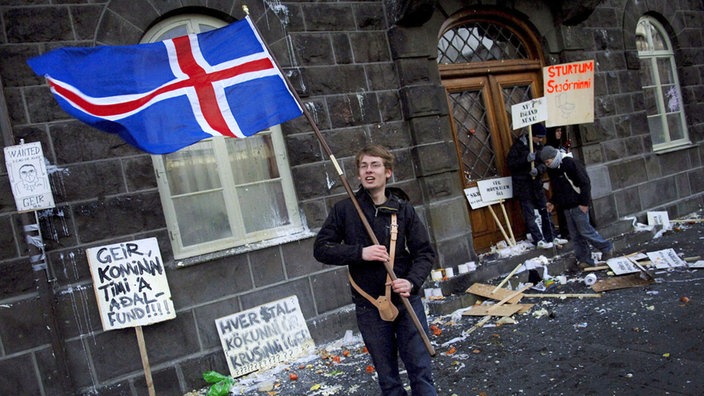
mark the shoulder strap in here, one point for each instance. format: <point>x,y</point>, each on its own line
<point>392,255</point>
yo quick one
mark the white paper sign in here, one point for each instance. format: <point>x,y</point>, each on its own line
<point>130,284</point>
<point>498,189</point>
<point>698,264</point>
<point>28,177</point>
<point>666,258</point>
<point>529,113</point>
<point>475,198</point>
<point>659,218</point>
<point>622,265</point>
<point>264,336</point>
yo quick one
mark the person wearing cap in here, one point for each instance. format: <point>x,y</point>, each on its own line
<point>526,171</point>
<point>571,190</point>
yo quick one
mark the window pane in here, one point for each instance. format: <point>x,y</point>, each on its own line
<point>641,36</point>
<point>656,132</point>
<point>665,71</point>
<point>192,169</point>
<point>659,43</point>
<point>650,101</point>
<point>674,124</point>
<point>263,206</point>
<point>202,218</point>
<point>646,72</point>
<point>252,159</point>
<point>672,98</point>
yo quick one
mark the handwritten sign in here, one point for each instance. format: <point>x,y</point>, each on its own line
<point>659,218</point>
<point>622,265</point>
<point>497,189</point>
<point>264,336</point>
<point>28,177</point>
<point>666,258</point>
<point>529,113</point>
<point>130,284</point>
<point>475,198</point>
<point>569,89</point>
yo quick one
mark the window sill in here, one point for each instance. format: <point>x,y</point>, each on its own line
<point>203,258</point>
<point>677,147</point>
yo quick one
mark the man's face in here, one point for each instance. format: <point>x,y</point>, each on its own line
<point>548,161</point>
<point>538,139</point>
<point>372,172</point>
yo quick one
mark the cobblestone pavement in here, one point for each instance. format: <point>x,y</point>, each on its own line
<point>630,341</point>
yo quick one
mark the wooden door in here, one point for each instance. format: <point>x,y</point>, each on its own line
<point>486,66</point>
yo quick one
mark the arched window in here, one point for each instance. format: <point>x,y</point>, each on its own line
<point>224,193</point>
<point>661,87</point>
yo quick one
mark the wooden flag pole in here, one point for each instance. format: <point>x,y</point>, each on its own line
<point>145,360</point>
<point>350,193</point>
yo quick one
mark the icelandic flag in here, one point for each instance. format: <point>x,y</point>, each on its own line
<point>161,97</point>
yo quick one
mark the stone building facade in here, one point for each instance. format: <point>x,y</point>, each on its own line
<point>368,72</point>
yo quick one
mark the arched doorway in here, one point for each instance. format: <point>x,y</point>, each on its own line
<point>488,61</point>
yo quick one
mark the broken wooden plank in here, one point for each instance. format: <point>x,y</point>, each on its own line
<point>596,268</point>
<point>485,290</point>
<point>575,295</point>
<point>621,282</point>
<point>503,310</point>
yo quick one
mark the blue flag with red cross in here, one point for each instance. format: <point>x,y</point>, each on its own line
<point>161,97</point>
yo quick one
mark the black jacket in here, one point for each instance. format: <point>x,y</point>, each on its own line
<point>342,237</point>
<point>570,182</point>
<point>525,187</point>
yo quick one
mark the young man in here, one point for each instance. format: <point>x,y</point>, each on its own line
<point>571,190</point>
<point>526,171</point>
<point>343,240</point>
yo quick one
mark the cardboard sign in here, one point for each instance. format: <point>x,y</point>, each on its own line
<point>264,336</point>
<point>28,177</point>
<point>666,258</point>
<point>475,198</point>
<point>569,90</point>
<point>529,113</point>
<point>659,218</point>
<point>498,189</point>
<point>130,284</point>
<point>622,265</point>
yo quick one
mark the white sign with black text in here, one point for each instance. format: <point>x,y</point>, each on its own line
<point>28,177</point>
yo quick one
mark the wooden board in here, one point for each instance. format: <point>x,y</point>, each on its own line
<point>484,290</point>
<point>501,310</point>
<point>620,282</point>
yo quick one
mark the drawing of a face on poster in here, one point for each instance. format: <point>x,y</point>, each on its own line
<point>28,181</point>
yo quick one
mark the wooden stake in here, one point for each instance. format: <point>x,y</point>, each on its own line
<point>485,319</point>
<point>507,278</point>
<point>145,360</point>
<point>508,222</point>
<point>501,227</point>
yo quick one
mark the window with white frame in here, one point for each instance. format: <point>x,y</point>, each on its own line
<point>661,87</point>
<point>223,193</point>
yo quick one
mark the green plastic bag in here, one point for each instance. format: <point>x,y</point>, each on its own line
<point>221,384</point>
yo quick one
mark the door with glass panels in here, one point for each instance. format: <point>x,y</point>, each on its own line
<point>487,63</point>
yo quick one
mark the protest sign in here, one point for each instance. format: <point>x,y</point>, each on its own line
<point>130,284</point>
<point>529,112</point>
<point>622,265</point>
<point>28,177</point>
<point>263,336</point>
<point>666,258</point>
<point>497,189</point>
<point>569,90</point>
<point>475,198</point>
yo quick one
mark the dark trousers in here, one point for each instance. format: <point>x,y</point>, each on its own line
<point>386,341</point>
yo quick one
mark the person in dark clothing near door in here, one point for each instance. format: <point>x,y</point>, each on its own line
<point>526,171</point>
<point>556,137</point>
<point>343,240</point>
<point>571,188</point>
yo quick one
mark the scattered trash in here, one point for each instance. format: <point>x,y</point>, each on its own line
<point>590,279</point>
